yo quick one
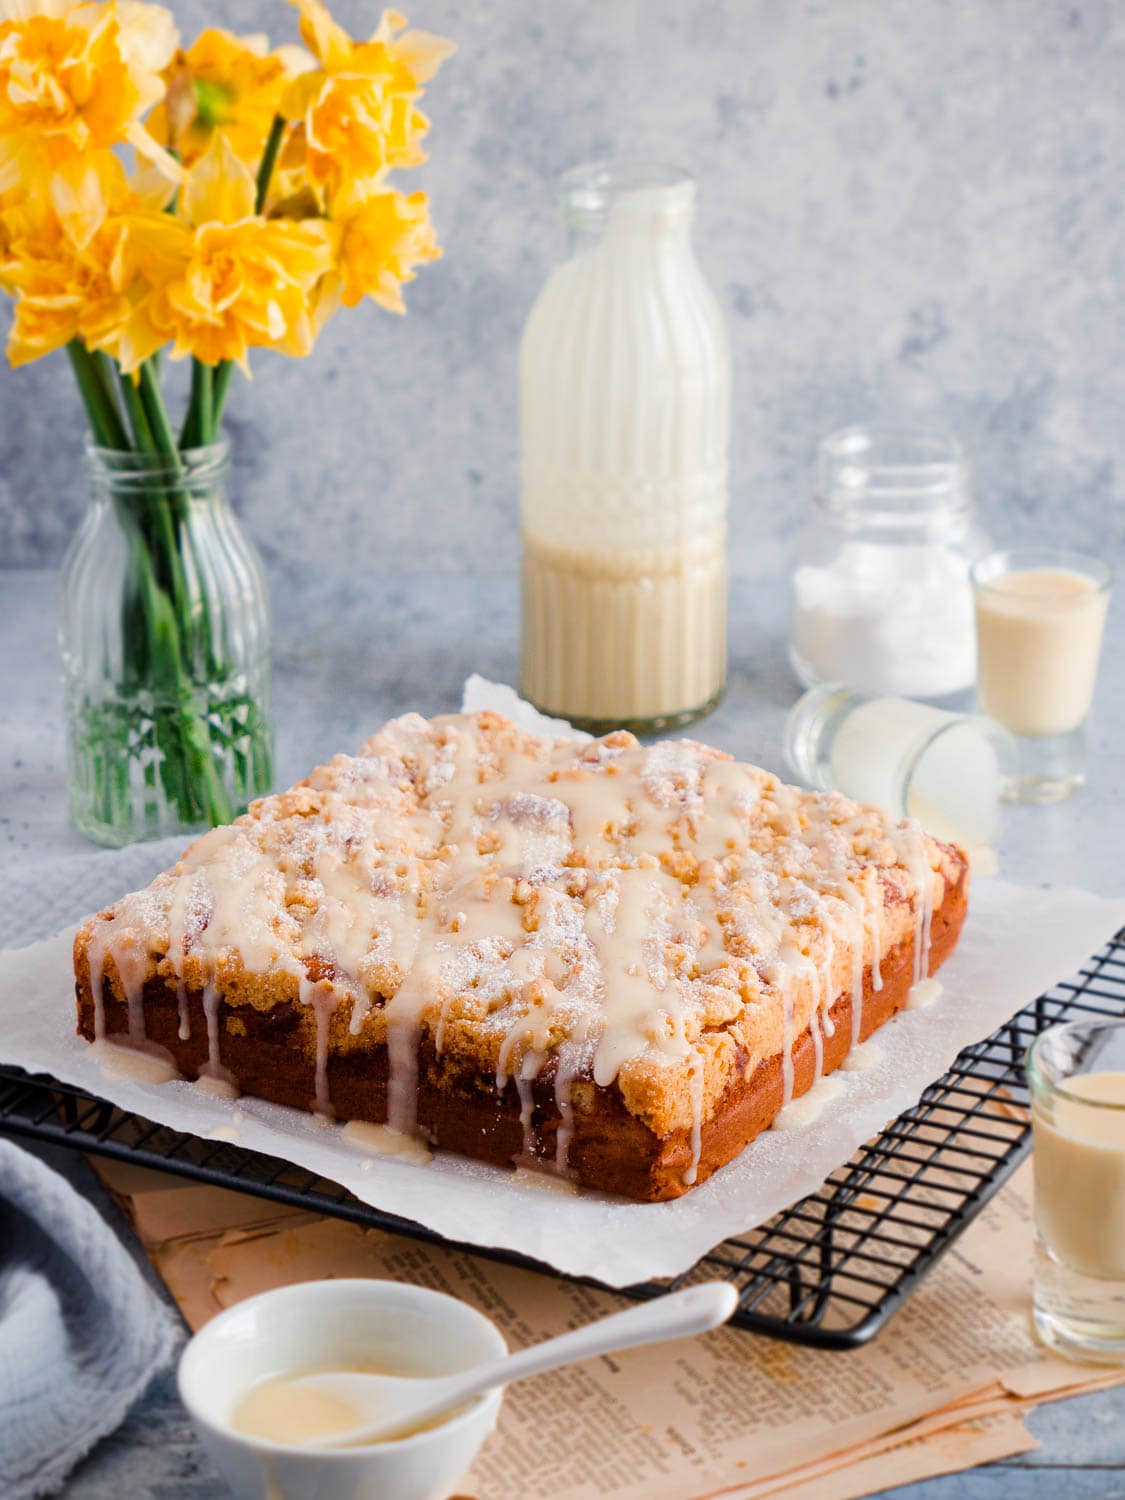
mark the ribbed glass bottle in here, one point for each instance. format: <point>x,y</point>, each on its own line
<point>625,415</point>
<point>164,633</point>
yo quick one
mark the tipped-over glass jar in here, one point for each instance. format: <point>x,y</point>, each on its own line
<point>625,407</point>
<point>881,592</point>
<point>948,770</point>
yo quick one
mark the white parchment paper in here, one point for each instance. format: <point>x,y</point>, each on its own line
<point>1017,942</point>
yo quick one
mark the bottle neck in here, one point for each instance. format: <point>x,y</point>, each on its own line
<point>194,475</point>
<point>623,202</point>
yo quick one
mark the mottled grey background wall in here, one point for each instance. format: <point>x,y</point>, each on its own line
<point>908,207</point>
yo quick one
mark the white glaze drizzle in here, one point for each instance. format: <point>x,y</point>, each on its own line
<point>858,1059</point>
<point>856,941</point>
<point>384,1140</point>
<point>178,943</point>
<point>213,1067</point>
<point>568,1064</point>
<point>923,994</point>
<point>587,905</point>
<point>815,1028</point>
<point>804,1111</point>
<point>543,1182</point>
<point>786,984</point>
<point>914,854</point>
<point>218,1088</point>
<point>526,1096</point>
<point>323,999</point>
<point>149,1063</point>
<point>828,980</point>
<point>695,1083</point>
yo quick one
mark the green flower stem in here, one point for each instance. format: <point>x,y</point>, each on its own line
<point>161,428</point>
<point>105,422</point>
<point>197,424</point>
<point>134,410</point>
<point>172,500</point>
<point>107,374</point>
<point>187,765</point>
<point>159,525</point>
<point>268,162</point>
<point>223,371</point>
<point>220,386</point>
<point>197,734</point>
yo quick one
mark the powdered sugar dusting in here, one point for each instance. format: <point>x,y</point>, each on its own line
<point>649,919</point>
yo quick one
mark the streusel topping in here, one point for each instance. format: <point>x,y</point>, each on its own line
<point>654,918</point>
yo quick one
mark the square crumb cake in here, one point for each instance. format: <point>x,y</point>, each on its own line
<point>615,962</point>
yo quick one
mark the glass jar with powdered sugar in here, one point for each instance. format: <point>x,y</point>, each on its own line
<point>881,592</point>
<point>625,415</point>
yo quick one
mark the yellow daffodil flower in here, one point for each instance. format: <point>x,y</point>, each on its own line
<point>382,238</point>
<point>77,78</point>
<point>241,281</point>
<point>180,253</point>
<point>97,286</point>
<point>358,107</point>
<point>228,83</point>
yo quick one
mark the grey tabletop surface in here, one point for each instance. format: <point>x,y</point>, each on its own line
<point>349,652</point>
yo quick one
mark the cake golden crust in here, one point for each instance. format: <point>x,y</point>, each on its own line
<point>611,1150</point>
<point>612,961</point>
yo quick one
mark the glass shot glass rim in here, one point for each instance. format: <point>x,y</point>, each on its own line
<point>1039,1080</point>
<point>984,572</point>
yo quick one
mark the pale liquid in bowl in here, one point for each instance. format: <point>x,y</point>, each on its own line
<point>281,1410</point>
<point>1039,633</point>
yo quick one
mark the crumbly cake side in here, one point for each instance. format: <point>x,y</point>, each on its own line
<point>554,920</point>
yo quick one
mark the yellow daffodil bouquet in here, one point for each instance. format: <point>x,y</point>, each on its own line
<point>206,202</point>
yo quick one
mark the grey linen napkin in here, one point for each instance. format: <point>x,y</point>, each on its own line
<point>81,1333</point>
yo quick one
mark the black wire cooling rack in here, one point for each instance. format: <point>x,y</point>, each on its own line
<point>828,1271</point>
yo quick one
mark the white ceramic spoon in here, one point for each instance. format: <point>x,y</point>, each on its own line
<point>393,1404</point>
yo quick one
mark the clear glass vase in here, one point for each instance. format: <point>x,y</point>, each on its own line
<point>164,633</point>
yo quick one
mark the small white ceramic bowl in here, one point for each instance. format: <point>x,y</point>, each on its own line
<point>404,1329</point>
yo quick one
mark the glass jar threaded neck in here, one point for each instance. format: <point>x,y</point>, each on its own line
<point>125,472</point>
<point>899,475</point>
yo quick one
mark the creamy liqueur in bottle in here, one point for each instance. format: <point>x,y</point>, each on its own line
<point>625,400</point>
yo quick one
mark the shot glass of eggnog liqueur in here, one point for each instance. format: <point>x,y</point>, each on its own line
<point>1040,617</point>
<point>1076,1078</point>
